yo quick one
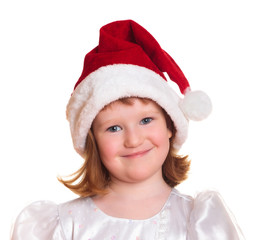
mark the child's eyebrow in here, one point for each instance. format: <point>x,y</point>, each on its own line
<point>150,111</point>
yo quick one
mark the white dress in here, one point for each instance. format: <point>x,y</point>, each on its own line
<point>182,218</point>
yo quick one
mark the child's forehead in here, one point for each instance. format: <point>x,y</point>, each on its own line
<point>129,101</point>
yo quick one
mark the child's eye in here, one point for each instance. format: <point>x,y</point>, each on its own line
<point>114,129</point>
<point>146,120</point>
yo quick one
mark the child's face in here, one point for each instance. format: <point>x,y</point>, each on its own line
<point>133,140</point>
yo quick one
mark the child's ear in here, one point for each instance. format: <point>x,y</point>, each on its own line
<point>169,132</point>
<point>169,123</point>
<point>170,126</point>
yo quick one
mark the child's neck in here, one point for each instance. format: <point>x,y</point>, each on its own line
<point>138,191</point>
<point>134,200</point>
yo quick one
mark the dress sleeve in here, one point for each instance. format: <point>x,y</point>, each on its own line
<point>210,219</point>
<point>38,221</point>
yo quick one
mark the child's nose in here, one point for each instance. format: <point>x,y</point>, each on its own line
<point>133,138</point>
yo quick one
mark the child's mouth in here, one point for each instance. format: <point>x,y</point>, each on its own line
<point>137,154</point>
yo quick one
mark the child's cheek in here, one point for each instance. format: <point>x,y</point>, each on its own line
<point>160,136</point>
<point>109,148</point>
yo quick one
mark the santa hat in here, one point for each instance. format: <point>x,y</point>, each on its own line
<point>129,62</point>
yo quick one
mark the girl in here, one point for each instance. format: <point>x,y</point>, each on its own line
<point>128,124</point>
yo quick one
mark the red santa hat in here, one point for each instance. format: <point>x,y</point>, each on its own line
<point>129,62</point>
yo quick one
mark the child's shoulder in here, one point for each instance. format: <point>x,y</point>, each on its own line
<point>75,208</point>
<point>39,220</point>
<point>183,197</point>
<point>208,199</point>
<point>207,211</point>
<point>47,220</point>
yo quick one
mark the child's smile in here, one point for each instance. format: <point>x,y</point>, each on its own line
<point>133,140</point>
<point>137,154</point>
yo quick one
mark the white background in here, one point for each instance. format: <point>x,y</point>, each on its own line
<point>43,44</point>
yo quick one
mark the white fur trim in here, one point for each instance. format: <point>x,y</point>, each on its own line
<point>113,82</point>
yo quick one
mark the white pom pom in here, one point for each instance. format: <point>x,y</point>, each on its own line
<point>196,105</point>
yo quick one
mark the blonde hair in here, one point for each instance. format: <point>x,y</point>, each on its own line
<point>93,178</point>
